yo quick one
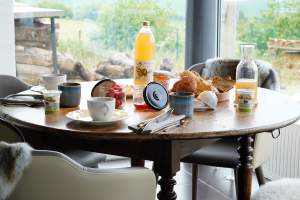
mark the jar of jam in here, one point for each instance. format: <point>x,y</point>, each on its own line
<point>109,88</point>
<point>163,78</point>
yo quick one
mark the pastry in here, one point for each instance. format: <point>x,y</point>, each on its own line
<point>185,84</point>
<point>223,84</point>
<point>188,81</point>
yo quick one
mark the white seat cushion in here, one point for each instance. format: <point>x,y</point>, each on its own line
<point>282,189</point>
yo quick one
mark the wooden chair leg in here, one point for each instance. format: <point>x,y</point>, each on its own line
<point>194,181</point>
<point>260,176</point>
<point>236,178</point>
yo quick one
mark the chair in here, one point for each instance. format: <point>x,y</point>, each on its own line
<point>12,85</point>
<point>287,189</point>
<point>52,175</point>
<point>223,153</point>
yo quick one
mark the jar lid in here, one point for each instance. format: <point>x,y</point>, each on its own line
<point>156,96</point>
<point>51,92</point>
<point>164,73</point>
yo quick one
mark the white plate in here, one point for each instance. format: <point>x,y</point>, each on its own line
<point>84,117</point>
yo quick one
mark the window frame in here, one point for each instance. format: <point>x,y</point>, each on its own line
<point>203,24</point>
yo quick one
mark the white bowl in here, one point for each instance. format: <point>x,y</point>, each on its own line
<point>209,98</point>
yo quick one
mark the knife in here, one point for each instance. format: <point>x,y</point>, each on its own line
<point>34,96</point>
<point>158,125</point>
<point>11,102</point>
<point>157,119</point>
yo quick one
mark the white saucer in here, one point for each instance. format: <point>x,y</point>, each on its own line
<point>84,117</point>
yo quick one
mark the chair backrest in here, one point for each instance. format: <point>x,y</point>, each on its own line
<point>10,133</point>
<point>52,175</point>
<point>268,79</point>
<point>11,85</point>
<point>216,67</point>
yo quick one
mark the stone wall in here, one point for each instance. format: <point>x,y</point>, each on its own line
<point>34,54</point>
<point>33,33</point>
<point>34,57</point>
<point>32,62</point>
<point>118,65</point>
<point>285,54</point>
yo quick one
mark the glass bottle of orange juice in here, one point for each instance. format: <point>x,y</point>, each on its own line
<point>246,79</point>
<point>144,49</point>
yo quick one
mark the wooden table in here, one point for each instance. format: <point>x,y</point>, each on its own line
<point>165,148</point>
<point>23,11</point>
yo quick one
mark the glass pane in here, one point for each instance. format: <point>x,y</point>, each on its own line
<point>274,25</point>
<point>95,39</point>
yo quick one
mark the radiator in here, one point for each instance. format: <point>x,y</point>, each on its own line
<point>285,160</point>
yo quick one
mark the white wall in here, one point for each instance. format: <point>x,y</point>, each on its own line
<point>7,38</point>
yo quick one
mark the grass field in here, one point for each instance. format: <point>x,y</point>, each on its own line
<point>75,29</point>
<point>75,38</point>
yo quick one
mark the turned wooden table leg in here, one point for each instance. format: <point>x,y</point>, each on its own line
<point>244,170</point>
<point>167,183</point>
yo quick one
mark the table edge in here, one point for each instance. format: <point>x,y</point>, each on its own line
<point>155,136</point>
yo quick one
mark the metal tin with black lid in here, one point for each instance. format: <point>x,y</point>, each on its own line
<point>156,96</point>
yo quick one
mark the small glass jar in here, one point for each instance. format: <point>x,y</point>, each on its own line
<point>109,88</point>
<point>51,100</point>
<point>119,93</point>
<point>246,100</point>
<point>163,78</point>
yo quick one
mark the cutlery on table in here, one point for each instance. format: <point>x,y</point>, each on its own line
<point>14,102</point>
<point>162,122</point>
<point>159,118</point>
<point>34,96</point>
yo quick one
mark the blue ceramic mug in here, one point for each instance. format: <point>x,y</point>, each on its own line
<point>71,94</point>
<point>182,103</point>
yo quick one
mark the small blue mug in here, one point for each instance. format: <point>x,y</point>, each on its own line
<point>182,103</point>
<point>71,94</point>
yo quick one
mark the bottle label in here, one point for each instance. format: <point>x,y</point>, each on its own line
<point>246,99</point>
<point>143,72</point>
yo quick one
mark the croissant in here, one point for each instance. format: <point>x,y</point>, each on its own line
<point>185,84</point>
<point>192,82</point>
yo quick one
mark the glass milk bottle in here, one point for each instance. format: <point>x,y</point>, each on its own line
<point>144,49</point>
<point>246,78</point>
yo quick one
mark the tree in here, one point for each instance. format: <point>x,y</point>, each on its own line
<point>56,4</point>
<point>120,22</point>
<point>279,20</point>
<point>88,10</point>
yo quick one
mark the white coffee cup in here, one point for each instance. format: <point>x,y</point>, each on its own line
<point>51,81</point>
<point>101,108</point>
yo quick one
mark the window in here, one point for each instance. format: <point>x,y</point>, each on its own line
<point>96,38</point>
<point>274,25</point>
